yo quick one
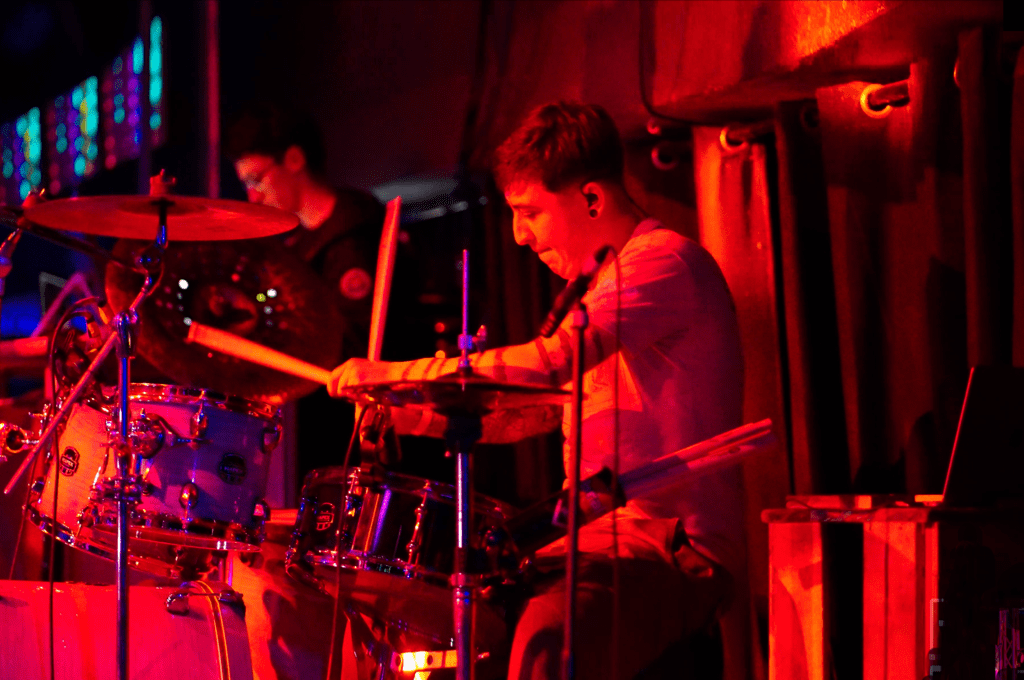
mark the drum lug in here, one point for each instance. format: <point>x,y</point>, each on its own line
<point>146,435</point>
<point>271,438</point>
<point>416,541</point>
<point>198,424</point>
<point>261,511</point>
<point>189,495</point>
<point>38,485</point>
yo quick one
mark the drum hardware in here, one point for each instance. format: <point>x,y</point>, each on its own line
<point>189,496</point>
<point>129,217</point>
<point>178,601</point>
<point>13,440</point>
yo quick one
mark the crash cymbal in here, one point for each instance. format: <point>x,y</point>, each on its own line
<point>189,218</point>
<point>456,393</point>
<point>255,289</point>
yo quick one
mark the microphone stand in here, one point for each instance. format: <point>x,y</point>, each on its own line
<point>580,321</point>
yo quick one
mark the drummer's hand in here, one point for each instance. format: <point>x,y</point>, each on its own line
<point>357,372</point>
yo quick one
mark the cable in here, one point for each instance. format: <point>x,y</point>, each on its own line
<point>337,537</point>
<point>72,311</point>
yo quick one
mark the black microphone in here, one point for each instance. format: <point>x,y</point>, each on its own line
<point>573,292</point>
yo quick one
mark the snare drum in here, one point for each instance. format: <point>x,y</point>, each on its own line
<point>397,540</point>
<point>202,460</point>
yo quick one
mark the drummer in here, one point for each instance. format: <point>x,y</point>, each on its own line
<point>679,381</point>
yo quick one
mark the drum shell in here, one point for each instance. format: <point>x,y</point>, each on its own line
<point>401,525</point>
<point>227,464</point>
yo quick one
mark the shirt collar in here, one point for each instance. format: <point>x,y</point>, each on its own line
<point>645,227</point>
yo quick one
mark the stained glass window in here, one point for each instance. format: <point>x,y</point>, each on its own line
<point>72,131</point>
<point>121,87</point>
<point>21,156</point>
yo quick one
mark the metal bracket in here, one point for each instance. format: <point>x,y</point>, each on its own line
<point>177,602</point>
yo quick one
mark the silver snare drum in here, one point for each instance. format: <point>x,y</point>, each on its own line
<point>397,547</point>
<point>202,460</point>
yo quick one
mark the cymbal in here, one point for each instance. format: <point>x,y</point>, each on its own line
<point>189,218</point>
<point>457,394</point>
<point>256,289</point>
<point>499,427</point>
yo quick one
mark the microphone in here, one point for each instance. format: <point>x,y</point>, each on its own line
<point>573,292</point>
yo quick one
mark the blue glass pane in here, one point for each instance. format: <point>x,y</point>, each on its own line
<point>80,166</point>
<point>137,56</point>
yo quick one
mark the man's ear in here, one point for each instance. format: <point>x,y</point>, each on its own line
<point>294,160</point>
<point>596,197</point>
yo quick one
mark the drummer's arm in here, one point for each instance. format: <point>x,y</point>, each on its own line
<point>543,361</point>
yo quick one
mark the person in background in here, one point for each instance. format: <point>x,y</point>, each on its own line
<point>279,157</point>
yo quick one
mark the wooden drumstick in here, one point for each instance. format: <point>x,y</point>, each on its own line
<point>382,284</point>
<point>236,346</point>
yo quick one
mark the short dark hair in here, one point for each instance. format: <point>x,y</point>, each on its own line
<point>266,129</point>
<point>561,143</point>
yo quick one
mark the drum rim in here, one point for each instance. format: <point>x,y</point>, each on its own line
<point>215,534</point>
<point>183,394</point>
<point>70,538</point>
<point>438,490</point>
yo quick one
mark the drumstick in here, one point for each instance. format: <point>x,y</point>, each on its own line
<point>382,284</point>
<point>236,346</point>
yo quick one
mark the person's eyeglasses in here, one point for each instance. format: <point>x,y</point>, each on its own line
<point>255,183</point>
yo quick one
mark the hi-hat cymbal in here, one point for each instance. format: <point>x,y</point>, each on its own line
<point>456,394</point>
<point>189,218</point>
<point>256,289</point>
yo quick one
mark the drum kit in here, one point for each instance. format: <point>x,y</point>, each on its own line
<point>160,475</point>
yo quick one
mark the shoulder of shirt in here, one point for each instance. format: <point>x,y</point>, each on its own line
<point>661,240</point>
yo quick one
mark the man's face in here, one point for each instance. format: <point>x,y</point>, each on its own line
<point>268,182</point>
<point>551,224</point>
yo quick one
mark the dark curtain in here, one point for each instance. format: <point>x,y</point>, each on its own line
<point>893,186</point>
<point>735,222</point>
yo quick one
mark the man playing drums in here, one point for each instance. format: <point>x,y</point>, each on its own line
<point>679,372</point>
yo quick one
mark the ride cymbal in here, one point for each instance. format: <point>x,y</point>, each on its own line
<point>189,218</point>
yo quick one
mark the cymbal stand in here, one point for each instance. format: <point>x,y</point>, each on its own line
<point>462,432</point>
<point>123,488</point>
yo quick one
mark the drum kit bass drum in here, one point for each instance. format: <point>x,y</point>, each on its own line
<point>190,459</point>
